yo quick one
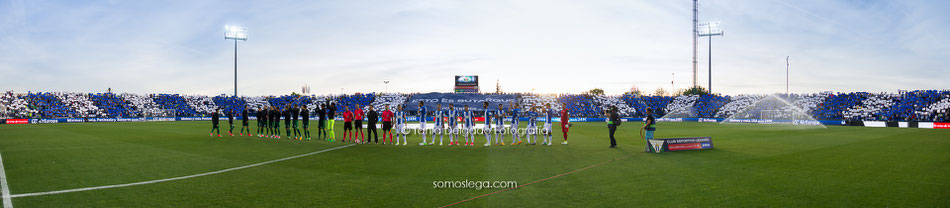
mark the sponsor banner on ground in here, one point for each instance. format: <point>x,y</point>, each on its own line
<point>938,125</point>
<point>18,121</point>
<point>689,143</point>
<point>875,124</point>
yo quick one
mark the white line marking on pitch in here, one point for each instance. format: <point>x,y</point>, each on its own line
<point>169,179</point>
<point>4,189</point>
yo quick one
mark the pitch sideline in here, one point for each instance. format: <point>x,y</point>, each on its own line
<point>7,196</point>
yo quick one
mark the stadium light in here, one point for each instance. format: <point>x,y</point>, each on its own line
<point>235,33</point>
<point>786,76</point>
<point>710,29</point>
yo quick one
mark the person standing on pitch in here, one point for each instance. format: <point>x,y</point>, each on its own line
<point>261,122</point>
<point>439,127</point>
<point>231,122</point>
<point>295,113</point>
<point>387,124</point>
<point>469,119</point>
<point>422,113</point>
<point>452,118</point>
<point>287,120</point>
<point>347,124</point>
<point>487,130</point>
<point>372,117</point>
<point>275,121</point>
<point>548,116</point>
<point>649,125</point>
<point>305,115</point>
<point>401,125</point>
<point>322,122</point>
<point>515,123</point>
<point>244,122</point>
<point>500,126</point>
<point>613,120</point>
<point>214,123</point>
<point>565,121</point>
<point>532,128</point>
<point>358,121</point>
<point>331,118</point>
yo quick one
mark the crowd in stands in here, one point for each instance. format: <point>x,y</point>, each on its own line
<point>707,105</point>
<point>112,106</point>
<point>920,105</point>
<point>174,102</point>
<point>12,106</point>
<point>623,109</point>
<point>581,105</point>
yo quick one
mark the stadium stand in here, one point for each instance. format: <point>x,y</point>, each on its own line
<point>391,99</point>
<point>835,105</point>
<point>910,101</point>
<point>112,106</point>
<point>15,107</point>
<point>707,105</point>
<point>581,105</point>
<point>176,102</point>
<point>737,104</point>
<point>641,103</point>
<point>49,105</point>
<point>229,103</point>
<point>623,108</point>
<point>142,104</point>
<point>873,104</point>
<point>682,106</point>
<point>938,111</point>
<point>919,105</point>
<point>203,105</point>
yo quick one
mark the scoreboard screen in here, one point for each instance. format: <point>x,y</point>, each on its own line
<point>466,83</point>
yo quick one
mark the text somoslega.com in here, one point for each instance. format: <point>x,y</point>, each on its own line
<point>477,185</point>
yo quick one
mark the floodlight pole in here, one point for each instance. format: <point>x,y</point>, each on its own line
<point>709,34</point>
<point>786,75</point>
<point>235,68</point>
<point>235,33</point>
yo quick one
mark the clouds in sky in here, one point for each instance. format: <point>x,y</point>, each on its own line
<point>541,46</point>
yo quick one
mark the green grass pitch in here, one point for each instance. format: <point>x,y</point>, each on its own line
<point>752,166</point>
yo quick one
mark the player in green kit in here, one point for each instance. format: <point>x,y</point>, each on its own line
<point>287,120</point>
<point>294,113</point>
<point>305,116</point>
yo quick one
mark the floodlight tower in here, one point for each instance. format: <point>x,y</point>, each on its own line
<point>235,33</point>
<point>709,30</point>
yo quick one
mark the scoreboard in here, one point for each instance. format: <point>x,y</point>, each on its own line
<point>466,83</point>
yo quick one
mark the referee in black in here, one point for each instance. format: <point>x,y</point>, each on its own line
<point>372,117</point>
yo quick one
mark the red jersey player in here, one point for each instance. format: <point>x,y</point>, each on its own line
<point>387,124</point>
<point>565,121</point>
<point>358,121</point>
<point>347,123</point>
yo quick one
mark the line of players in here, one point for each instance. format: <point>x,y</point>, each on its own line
<point>444,121</point>
<point>455,123</point>
<point>268,122</point>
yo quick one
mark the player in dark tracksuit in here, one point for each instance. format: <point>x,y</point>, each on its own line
<point>287,120</point>
<point>231,122</point>
<point>214,124</point>
<point>305,116</point>
<point>244,123</point>
<point>322,122</point>
<point>275,121</point>
<point>294,113</point>
<point>261,122</point>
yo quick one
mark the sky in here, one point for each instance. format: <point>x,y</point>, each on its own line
<point>541,46</point>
